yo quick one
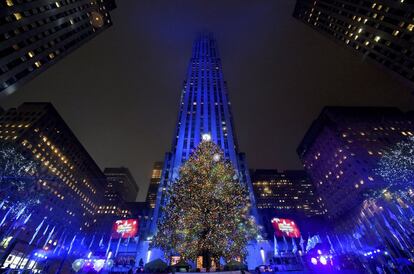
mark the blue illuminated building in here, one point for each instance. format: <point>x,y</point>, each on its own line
<point>205,112</point>
<point>205,108</point>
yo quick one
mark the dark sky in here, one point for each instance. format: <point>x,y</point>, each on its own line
<point>120,92</point>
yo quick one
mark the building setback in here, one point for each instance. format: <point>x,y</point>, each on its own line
<point>382,31</point>
<point>34,35</point>
<point>288,194</point>
<point>154,183</point>
<point>341,149</point>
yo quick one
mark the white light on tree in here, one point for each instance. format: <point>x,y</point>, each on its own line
<point>216,157</point>
<point>206,137</point>
<point>396,166</point>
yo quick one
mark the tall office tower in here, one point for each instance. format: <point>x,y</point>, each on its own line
<point>122,183</point>
<point>382,31</point>
<point>341,150</point>
<point>34,35</point>
<point>76,183</point>
<point>154,183</point>
<point>205,112</point>
<point>288,194</point>
<point>62,196</point>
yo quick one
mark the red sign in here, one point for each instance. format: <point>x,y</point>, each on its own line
<point>285,227</point>
<point>125,229</point>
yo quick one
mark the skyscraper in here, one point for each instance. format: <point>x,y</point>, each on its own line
<point>381,31</point>
<point>204,112</point>
<point>288,194</point>
<point>34,35</point>
<point>121,183</point>
<point>61,198</point>
<point>72,177</point>
<point>341,150</point>
<point>154,183</point>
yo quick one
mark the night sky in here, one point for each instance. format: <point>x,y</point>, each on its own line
<point>120,92</point>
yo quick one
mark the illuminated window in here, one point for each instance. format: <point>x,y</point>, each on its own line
<point>377,38</point>
<point>17,15</point>
<point>31,54</point>
<point>9,3</point>
<point>38,64</point>
<point>395,32</point>
<point>410,27</point>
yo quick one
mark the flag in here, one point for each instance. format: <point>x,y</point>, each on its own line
<point>71,244</point>
<point>101,242</point>
<point>48,237</point>
<point>36,231</point>
<point>294,246</point>
<point>109,245</point>
<point>340,244</point>
<point>286,244</point>
<point>20,212</point>
<point>58,241</point>
<point>330,243</point>
<point>301,243</point>
<point>117,247</point>
<point>5,216</point>
<point>276,250</point>
<point>93,238</point>
<point>27,218</point>
<point>63,244</point>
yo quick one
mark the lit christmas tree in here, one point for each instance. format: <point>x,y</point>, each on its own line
<point>396,166</point>
<point>207,213</point>
<point>18,174</point>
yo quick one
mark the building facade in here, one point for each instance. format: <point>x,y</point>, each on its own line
<point>204,110</point>
<point>382,31</point>
<point>341,150</point>
<point>287,191</point>
<point>289,194</point>
<point>34,35</point>
<point>60,196</point>
<point>122,183</point>
<point>154,184</point>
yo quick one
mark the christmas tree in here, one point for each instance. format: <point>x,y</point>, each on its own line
<point>396,166</point>
<point>18,174</point>
<point>207,213</point>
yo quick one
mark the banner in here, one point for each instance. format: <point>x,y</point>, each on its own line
<point>285,227</point>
